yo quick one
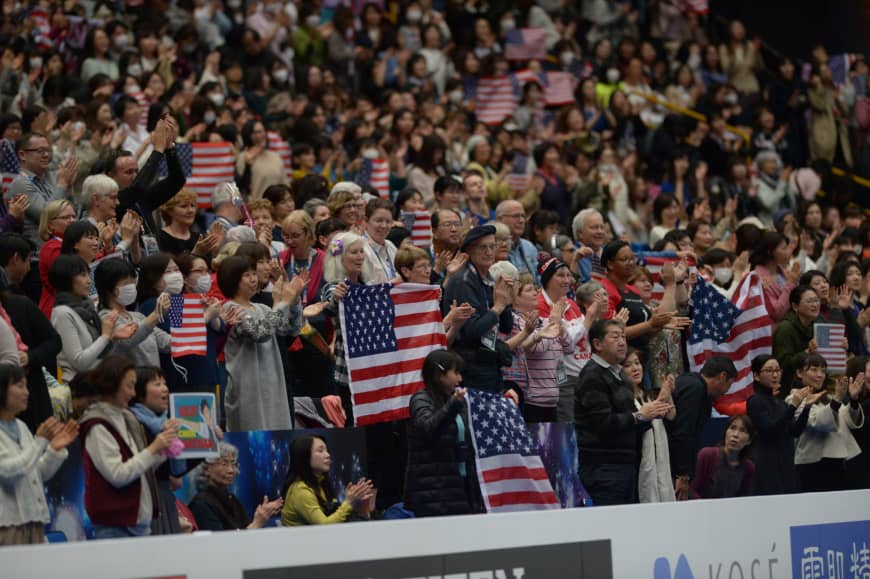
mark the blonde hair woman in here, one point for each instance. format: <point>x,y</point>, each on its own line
<point>345,257</point>
<point>55,218</point>
<point>177,236</point>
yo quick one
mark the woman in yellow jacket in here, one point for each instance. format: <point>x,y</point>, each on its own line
<point>310,498</point>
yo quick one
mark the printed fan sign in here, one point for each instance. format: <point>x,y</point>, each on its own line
<point>198,430</point>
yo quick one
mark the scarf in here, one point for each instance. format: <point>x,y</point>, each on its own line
<point>153,422</point>
<point>85,309</point>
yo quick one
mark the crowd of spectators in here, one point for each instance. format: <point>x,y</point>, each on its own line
<point>344,120</point>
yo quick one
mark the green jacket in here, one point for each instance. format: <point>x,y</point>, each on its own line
<point>790,338</point>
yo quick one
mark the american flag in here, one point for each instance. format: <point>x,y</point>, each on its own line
<point>9,166</point>
<point>419,223</point>
<point>558,88</point>
<point>698,6</point>
<point>653,261</point>
<point>509,468</point>
<point>187,325</point>
<point>280,146</point>
<point>739,329</point>
<point>388,331</point>
<point>829,339</point>
<point>205,165</point>
<point>525,44</point>
<point>519,183</point>
<point>41,28</point>
<point>840,65</point>
<point>376,173</point>
<point>496,99</point>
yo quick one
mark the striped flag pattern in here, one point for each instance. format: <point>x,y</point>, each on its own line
<point>740,329</point>
<point>829,338</point>
<point>698,6</point>
<point>9,166</point>
<point>526,44</point>
<point>496,99</point>
<point>205,165</point>
<point>518,182</point>
<point>388,331</point>
<point>559,88</point>
<point>511,474</point>
<point>280,146</point>
<point>187,325</point>
<point>419,223</point>
<point>653,261</point>
<point>375,173</point>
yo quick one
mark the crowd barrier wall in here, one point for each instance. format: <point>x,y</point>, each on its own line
<point>801,536</point>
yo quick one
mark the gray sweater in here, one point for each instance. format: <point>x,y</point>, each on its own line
<point>80,351</point>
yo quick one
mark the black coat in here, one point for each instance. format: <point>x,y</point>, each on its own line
<point>148,192</point>
<point>773,446</point>
<point>603,414</point>
<point>43,344</point>
<point>482,365</point>
<point>433,483</point>
<point>685,433</point>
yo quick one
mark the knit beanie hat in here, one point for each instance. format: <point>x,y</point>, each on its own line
<point>547,269</point>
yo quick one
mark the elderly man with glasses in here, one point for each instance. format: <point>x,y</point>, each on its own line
<point>477,342</point>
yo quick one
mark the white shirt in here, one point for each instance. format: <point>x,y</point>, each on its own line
<point>379,266</point>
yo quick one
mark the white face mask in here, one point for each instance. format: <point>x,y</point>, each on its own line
<point>281,75</point>
<point>723,274</point>
<point>135,69</point>
<point>132,89</point>
<point>203,284</point>
<point>234,4</point>
<point>36,63</point>
<point>414,16</point>
<point>312,21</point>
<point>216,98</point>
<point>126,294</point>
<point>209,117</point>
<point>121,41</point>
<point>174,282</point>
<point>612,75</point>
<point>370,154</point>
<point>731,98</point>
<point>694,60</point>
<point>508,24</point>
<point>567,58</point>
<point>456,97</point>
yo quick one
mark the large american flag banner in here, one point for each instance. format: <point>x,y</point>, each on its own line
<point>509,468</point>
<point>280,146</point>
<point>187,325</point>
<point>205,165</point>
<point>9,166</point>
<point>375,173</point>
<point>740,329</point>
<point>419,223</point>
<point>388,331</point>
<point>526,44</point>
<point>653,261</point>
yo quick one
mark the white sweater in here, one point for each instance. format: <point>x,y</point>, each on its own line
<point>106,454</point>
<point>22,472</point>
<point>827,433</point>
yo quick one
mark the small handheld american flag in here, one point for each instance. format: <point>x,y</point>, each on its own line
<point>205,165</point>
<point>187,325</point>
<point>9,166</point>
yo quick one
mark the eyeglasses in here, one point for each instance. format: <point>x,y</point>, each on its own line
<point>65,217</point>
<point>425,267</point>
<point>40,151</point>
<point>451,224</point>
<point>812,302</point>
<point>626,260</point>
<point>772,370</point>
<point>515,216</point>
<point>486,246</point>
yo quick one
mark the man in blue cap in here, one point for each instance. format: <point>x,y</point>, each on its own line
<point>477,342</point>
